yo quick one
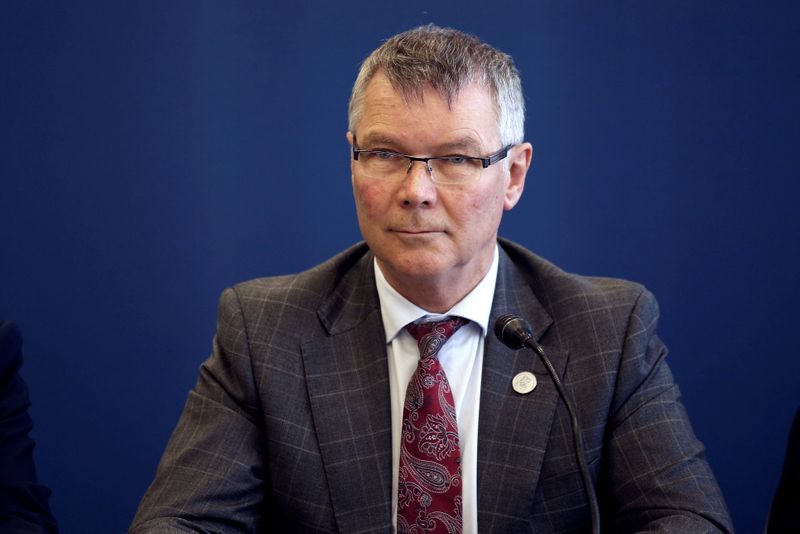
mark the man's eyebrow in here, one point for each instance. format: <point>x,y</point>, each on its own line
<point>373,140</point>
<point>463,144</point>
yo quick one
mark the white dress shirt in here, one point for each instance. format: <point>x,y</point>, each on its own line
<point>462,360</point>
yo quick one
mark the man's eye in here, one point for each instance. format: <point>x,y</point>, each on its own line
<point>381,154</point>
<point>457,160</point>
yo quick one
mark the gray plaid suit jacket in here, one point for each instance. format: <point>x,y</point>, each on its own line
<point>289,429</point>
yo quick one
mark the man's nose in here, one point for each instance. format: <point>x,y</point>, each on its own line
<point>418,187</point>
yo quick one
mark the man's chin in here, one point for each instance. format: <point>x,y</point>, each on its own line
<point>419,267</point>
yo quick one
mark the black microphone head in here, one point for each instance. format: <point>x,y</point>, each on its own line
<point>512,330</point>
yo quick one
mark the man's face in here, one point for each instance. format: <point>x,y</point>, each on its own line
<point>427,235</point>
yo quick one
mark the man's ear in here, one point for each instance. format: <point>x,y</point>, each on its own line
<point>520,157</point>
<point>350,139</point>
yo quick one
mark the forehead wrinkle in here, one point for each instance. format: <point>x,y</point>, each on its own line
<point>414,95</point>
<point>414,125</point>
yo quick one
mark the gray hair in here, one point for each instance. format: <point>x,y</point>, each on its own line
<point>447,60</point>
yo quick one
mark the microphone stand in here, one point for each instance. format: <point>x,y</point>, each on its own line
<point>515,332</point>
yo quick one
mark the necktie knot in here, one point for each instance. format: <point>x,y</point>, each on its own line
<point>431,336</point>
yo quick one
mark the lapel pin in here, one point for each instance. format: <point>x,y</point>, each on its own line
<point>524,382</point>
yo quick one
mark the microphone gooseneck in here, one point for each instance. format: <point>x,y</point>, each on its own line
<point>515,333</point>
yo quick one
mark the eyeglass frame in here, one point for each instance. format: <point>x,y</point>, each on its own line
<point>491,159</point>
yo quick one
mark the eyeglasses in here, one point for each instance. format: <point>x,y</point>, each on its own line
<point>458,169</point>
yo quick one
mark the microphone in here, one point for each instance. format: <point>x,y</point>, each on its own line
<point>515,333</point>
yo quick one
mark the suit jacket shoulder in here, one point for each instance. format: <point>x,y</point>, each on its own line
<point>563,293</point>
<point>334,294</point>
<point>602,335</point>
<point>23,501</point>
<point>288,426</point>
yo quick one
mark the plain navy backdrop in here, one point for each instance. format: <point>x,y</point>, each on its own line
<point>153,153</point>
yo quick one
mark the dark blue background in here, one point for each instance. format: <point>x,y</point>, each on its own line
<point>153,153</point>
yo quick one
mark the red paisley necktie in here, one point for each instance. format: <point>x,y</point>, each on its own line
<point>429,492</point>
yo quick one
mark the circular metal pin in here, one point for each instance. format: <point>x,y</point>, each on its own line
<point>524,382</point>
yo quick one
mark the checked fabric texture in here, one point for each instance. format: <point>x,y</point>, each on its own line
<point>429,492</point>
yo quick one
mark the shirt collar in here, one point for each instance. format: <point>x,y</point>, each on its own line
<point>397,311</point>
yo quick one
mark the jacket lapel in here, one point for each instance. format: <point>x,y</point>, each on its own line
<point>513,428</point>
<point>348,387</point>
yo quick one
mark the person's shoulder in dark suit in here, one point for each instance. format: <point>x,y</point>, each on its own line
<point>23,501</point>
<point>785,515</point>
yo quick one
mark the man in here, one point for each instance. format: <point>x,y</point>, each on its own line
<point>23,501</point>
<point>306,415</point>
